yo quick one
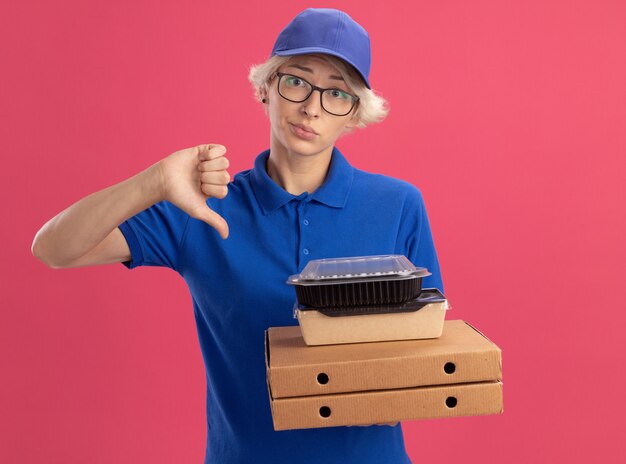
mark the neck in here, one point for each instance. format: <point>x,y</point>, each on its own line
<point>298,173</point>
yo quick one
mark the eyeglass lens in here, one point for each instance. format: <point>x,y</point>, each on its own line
<point>296,89</point>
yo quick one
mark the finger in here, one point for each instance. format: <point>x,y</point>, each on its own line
<point>210,151</point>
<point>217,191</point>
<point>207,215</point>
<point>215,177</point>
<point>390,424</point>
<point>216,164</point>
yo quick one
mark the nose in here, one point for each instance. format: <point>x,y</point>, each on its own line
<point>312,106</point>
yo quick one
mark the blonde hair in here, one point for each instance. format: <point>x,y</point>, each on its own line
<point>371,108</point>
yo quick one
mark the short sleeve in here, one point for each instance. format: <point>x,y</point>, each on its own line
<point>418,240</point>
<point>154,236</point>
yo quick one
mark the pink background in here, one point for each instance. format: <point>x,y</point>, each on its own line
<point>510,116</point>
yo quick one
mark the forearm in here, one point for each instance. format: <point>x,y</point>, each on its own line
<point>81,227</point>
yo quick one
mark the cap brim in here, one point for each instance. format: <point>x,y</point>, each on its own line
<point>325,51</point>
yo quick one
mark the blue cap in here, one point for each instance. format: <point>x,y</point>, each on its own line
<point>329,31</point>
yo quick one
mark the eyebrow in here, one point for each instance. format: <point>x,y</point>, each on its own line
<point>309,70</point>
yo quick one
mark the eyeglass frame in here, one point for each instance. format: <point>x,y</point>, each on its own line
<point>355,99</point>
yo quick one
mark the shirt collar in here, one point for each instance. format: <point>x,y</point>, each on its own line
<point>333,192</point>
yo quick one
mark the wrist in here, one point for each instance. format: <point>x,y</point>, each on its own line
<point>152,185</point>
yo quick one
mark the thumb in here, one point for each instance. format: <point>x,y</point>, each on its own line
<point>207,215</point>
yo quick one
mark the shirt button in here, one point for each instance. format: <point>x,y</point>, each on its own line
<point>306,222</point>
<point>305,251</point>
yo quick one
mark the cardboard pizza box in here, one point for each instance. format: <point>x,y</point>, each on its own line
<point>365,383</point>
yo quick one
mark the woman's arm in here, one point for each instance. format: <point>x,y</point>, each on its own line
<point>86,233</point>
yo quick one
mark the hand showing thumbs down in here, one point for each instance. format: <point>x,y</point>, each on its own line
<point>191,176</point>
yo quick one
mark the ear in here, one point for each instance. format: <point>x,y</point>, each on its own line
<point>263,95</point>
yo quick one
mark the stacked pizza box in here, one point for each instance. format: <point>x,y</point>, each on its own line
<point>415,365</point>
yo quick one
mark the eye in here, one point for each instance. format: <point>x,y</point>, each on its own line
<point>293,81</point>
<point>339,94</point>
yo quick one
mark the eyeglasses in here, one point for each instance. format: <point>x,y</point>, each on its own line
<point>334,101</point>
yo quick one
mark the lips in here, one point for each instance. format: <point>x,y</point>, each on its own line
<point>305,128</point>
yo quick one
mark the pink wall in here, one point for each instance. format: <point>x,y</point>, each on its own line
<point>509,115</point>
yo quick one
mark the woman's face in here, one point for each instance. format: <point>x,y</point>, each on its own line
<point>306,128</point>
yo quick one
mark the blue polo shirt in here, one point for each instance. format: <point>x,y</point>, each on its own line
<point>238,290</point>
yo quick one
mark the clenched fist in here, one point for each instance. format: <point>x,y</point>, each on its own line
<point>190,176</point>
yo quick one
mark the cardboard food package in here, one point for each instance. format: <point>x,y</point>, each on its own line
<point>458,374</point>
<point>321,329</point>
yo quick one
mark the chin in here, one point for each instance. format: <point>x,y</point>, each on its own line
<point>293,144</point>
<point>301,147</point>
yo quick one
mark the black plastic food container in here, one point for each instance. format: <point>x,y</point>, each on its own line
<point>361,280</point>
<point>426,297</point>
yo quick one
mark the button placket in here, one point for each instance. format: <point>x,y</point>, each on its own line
<point>304,249</point>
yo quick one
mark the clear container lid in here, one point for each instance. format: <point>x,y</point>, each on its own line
<point>357,269</point>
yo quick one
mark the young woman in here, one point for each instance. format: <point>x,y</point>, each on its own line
<point>302,200</point>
